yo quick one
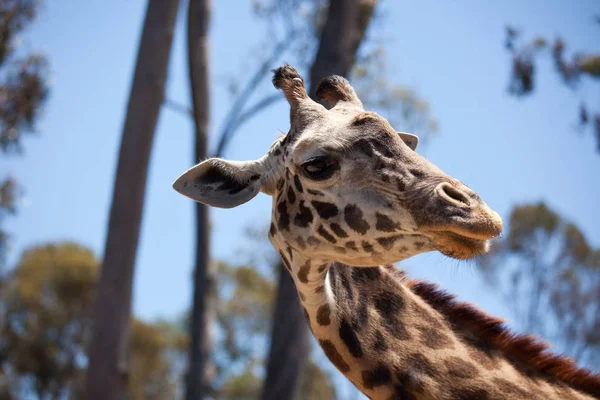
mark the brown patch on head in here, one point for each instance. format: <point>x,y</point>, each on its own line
<point>284,218</point>
<point>524,349</point>
<point>313,241</point>
<point>280,184</point>
<point>353,216</point>
<point>315,192</point>
<point>324,209</point>
<point>351,245</point>
<point>291,195</point>
<point>334,356</point>
<point>304,216</point>
<point>326,235</point>
<point>298,184</point>
<point>338,230</point>
<point>388,242</point>
<point>385,224</point>
<point>368,247</point>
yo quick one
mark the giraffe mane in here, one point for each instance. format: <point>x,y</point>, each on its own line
<point>527,349</point>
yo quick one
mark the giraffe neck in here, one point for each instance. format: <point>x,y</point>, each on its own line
<point>391,344</point>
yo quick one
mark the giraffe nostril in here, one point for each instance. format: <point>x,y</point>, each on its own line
<point>453,195</point>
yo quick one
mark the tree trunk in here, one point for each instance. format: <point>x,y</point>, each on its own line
<point>342,34</point>
<point>290,344</point>
<point>344,30</point>
<point>107,376</point>
<point>204,300</point>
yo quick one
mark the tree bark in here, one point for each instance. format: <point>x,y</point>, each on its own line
<point>343,32</point>
<point>204,300</point>
<point>290,344</point>
<point>107,376</point>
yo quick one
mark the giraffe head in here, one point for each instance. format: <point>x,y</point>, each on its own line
<point>347,187</point>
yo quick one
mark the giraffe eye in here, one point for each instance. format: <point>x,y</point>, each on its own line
<point>319,168</point>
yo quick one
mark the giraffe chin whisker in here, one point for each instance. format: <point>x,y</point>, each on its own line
<point>458,246</point>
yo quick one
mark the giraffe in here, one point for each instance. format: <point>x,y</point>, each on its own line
<point>351,196</point>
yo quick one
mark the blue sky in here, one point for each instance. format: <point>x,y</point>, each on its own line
<point>509,150</point>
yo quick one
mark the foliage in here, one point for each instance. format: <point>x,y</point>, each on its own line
<point>23,89</point>
<point>46,302</point>
<point>45,326</point>
<point>153,376</point>
<point>317,384</point>
<point>572,69</point>
<point>550,277</point>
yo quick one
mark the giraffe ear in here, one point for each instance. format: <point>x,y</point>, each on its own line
<point>221,183</point>
<point>411,140</point>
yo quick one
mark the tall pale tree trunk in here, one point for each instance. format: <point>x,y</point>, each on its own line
<point>107,376</point>
<point>343,32</point>
<point>204,299</point>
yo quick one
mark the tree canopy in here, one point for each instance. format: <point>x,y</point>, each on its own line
<point>23,90</point>
<point>575,69</point>
<point>45,326</point>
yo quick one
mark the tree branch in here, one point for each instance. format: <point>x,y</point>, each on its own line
<point>178,107</point>
<point>245,116</point>
<point>233,115</point>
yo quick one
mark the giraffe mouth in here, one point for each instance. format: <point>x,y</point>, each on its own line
<point>459,246</point>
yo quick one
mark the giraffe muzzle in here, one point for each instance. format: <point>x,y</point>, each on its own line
<point>467,214</point>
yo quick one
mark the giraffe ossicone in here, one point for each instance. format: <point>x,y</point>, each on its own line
<point>350,195</point>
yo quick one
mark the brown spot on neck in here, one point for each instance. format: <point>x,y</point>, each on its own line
<point>303,272</point>
<point>334,356</point>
